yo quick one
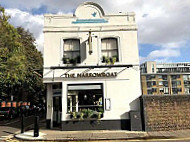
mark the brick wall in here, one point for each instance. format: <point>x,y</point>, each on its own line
<point>163,112</point>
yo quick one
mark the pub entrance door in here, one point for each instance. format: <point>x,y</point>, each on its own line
<point>57,111</point>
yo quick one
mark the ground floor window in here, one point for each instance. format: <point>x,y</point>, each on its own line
<point>86,98</point>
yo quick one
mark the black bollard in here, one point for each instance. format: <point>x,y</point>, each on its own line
<point>35,112</point>
<point>36,126</point>
<point>22,122</point>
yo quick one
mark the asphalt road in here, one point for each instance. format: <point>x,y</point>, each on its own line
<point>10,127</point>
<point>156,140</point>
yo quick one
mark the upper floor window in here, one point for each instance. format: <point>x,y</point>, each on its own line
<point>71,51</point>
<point>109,49</point>
<point>153,68</point>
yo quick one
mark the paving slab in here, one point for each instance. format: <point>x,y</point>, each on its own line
<point>81,135</point>
<point>29,135</point>
<point>101,135</point>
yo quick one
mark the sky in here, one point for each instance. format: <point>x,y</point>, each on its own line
<point>163,25</point>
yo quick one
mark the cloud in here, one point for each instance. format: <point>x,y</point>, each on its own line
<point>159,22</point>
<point>167,22</point>
<point>164,24</point>
<point>30,22</point>
<point>162,55</point>
<point>25,5</point>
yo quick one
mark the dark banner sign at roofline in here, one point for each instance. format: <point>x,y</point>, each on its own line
<point>84,75</point>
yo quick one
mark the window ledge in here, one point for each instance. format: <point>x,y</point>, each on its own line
<point>85,119</point>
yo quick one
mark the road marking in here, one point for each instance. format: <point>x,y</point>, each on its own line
<point>169,139</point>
<point>4,136</point>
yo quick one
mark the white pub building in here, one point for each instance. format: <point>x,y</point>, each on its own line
<point>91,69</point>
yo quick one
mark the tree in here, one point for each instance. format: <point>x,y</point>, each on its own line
<point>33,85</point>
<point>20,63</point>
<point>12,59</point>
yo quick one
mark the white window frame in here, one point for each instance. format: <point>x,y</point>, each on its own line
<point>62,50</point>
<point>81,84</point>
<point>118,46</point>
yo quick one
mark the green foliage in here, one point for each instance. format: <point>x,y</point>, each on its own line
<point>33,85</point>
<point>12,59</point>
<point>74,115</point>
<point>109,60</point>
<point>87,114</point>
<point>113,59</point>
<point>72,61</point>
<point>20,62</point>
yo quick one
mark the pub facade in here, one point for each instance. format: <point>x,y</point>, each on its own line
<point>91,68</point>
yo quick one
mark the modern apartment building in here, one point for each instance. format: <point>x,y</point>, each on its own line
<point>165,78</point>
<point>91,67</point>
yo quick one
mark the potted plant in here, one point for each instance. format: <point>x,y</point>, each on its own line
<point>73,115</point>
<point>80,115</point>
<point>64,60</point>
<point>95,115</point>
<point>107,59</point>
<point>110,60</point>
<point>116,57</point>
<point>103,59</point>
<point>86,114</point>
<point>113,59</point>
<point>72,61</point>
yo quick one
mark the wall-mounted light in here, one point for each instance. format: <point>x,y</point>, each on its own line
<point>90,42</point>
<point>85,97</point>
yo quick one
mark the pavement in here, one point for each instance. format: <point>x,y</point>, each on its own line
<point>8,128</point>
<point>98,135</point>
<point>57,135</point>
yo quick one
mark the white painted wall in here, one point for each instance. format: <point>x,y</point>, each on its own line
<point>49,114</point>
<point>123,89</point>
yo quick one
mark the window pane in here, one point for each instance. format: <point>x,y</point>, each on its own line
<point>68,54</point>
<point>103,45</point>
<point>165,90</point>
<point>109,47</point>
<point>105,53</point>
<point>108,44</point>
<point>75,54</point>
<point>149,91</point>
<point>67,45</point>
<point>178,82</point>
<point>185,77</point>
<point>71,51</point>
<point>112,53</point>
<point>112,44</point>
<point>71,103</point>
<point>75,45</point>
<point>71,44</point>
<point>85,97</point>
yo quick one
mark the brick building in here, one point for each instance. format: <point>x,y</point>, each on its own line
<point>165,78</point>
